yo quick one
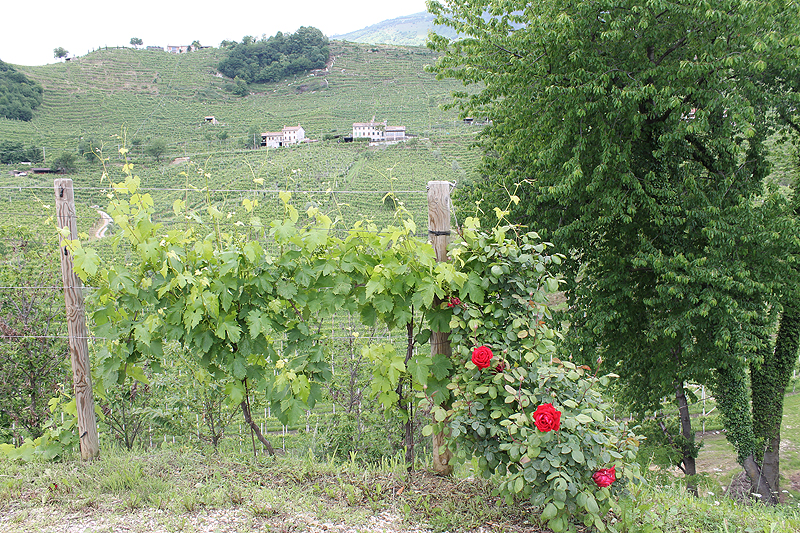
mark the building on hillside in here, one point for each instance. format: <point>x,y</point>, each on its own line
<point>378,131</point>
<point>179,49</point>
<point>210,120</point>
<point>288,135</point>
<point>394,133</point>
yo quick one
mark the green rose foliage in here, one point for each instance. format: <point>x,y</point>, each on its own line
<point>505,306</point>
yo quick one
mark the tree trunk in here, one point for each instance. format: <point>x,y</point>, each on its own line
<point>408,438</point>
<point>733,402</point>
<point>770,380</point>
<point>771,464</point>
<point>758,482</point>
<point>253,426</point>
<point>689,465</point>
<point>441,460</point>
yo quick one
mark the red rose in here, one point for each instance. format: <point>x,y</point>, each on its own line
<point>547,418</point>
<point>604,477</point>
<point>454,302</point>
<point>481,356</point>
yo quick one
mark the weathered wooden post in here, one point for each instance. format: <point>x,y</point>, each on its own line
<point>76,325</point>
<point>439,234</point>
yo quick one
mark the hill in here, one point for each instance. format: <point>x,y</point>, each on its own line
<point>134,97</point>
<point>411,30</point>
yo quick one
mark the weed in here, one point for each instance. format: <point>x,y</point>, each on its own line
<point>133,501</point>
<point>160,501</point>
<point>352,494</point>
<point>121,479</point>
<point>262,509</point>
<point>188,502</point>
<point>235,495</point>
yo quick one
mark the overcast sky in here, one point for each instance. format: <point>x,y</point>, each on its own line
<point>32,30</point>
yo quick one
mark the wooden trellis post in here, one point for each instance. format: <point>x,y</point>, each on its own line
<point>76,325</point>
<point>439,234</point>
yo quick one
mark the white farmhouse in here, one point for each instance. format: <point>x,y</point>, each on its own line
<point>288,135</point>
<point>394,133</point>
<point>378,131</point>
<point>179,48</point>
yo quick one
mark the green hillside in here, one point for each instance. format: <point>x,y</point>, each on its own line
<point>137,96</point>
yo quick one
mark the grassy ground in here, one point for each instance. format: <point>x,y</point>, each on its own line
<point>717,468</point>
<point>183,489</point>
<point>717,459</point>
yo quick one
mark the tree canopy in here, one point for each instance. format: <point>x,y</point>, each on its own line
<point>157,149</point>
<point>15,152</point>
<point>19,96</point>
<point>635,131</point>
<point>276,57</point>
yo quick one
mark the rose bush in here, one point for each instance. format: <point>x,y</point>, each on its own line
<point>537,422</point>
<point>482,357</point>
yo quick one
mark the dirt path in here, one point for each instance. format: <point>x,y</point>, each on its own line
<point>105,220</point>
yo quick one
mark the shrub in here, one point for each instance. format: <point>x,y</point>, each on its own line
<point>65,163</point>
<point>537,422</point>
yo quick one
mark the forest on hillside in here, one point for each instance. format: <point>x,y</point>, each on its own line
<point>279,56</point>
<point>19,96</point>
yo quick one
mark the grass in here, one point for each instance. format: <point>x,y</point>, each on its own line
<point>716,463</point>
<point>183,489</point>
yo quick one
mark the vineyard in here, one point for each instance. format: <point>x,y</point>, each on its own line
<point>177,403</point>
<point>151,94</point>
<point>117,98</point>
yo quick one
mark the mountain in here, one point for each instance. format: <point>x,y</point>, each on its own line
<point>411,30</point>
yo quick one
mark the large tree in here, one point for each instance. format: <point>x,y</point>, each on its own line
<point>635,131</point>
<point>157,149</point>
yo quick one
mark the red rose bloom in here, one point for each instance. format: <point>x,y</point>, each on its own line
<point>481,356</point>
<point>547,418</point>
<point>604,477</point>
<point>454,302</point>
